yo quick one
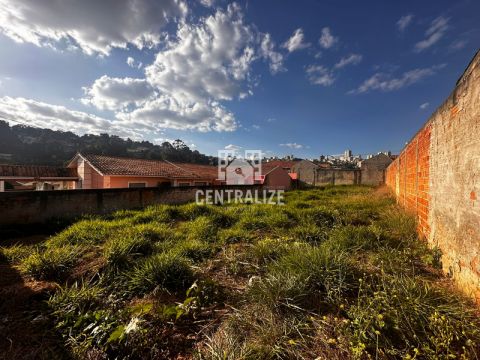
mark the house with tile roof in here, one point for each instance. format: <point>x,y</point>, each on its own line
<point>102,171</point>
<point>208,173</point>
<point>33,177</point>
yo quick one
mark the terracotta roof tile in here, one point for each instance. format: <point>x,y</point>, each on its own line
<point>111,165</point>
<point>35,171</point>
<point>285,164</point>
<point>203,171</point>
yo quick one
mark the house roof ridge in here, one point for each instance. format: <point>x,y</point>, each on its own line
<point>171,163</point>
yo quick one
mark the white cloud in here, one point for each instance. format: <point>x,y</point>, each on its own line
<point>133,63</point>
<point>327,40</point>
<point>296,41</point>
<point>94,26</point>
<point>267,50</point>
<point>108,93</point>
<point>404,21</point>
<point>54,117</point>
<point>207,3</point>
<point>256,127</point>
<point>293,145</point>
<point>161,140</point>
<point>206,63</point>
<point>352,59</point>
<point>458,44</point>
<point>210,60</point>
<point>385,82</point>
<point>232,147</point>
<point>166,112</point>
<point>271,120</point>
<point>424,105</point>
<point>203,65</point>
<point>434,33</point>
<point>320,75</point>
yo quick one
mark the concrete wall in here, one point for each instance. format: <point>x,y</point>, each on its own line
<point>437,177</point>
<point>310,174</point>
<point>373,170</point>
<point>305,172</point>
<point>37,207</point>
<point>337,177</point>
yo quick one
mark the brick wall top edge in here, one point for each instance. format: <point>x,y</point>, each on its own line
<point>474,63</point>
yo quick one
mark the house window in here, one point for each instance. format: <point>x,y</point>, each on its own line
<point>183,184</point>
<point>137,184</point>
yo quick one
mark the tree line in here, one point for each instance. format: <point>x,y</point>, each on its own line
<point>21,144</point>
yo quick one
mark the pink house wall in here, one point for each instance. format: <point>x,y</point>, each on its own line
<point>122,181</point>
<point>278,179</point>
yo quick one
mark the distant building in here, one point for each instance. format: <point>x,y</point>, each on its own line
<point>348,154</point>
<point>276,175</point>
<point>373,169</point>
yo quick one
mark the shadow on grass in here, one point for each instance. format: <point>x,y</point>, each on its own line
<point>25,333</point>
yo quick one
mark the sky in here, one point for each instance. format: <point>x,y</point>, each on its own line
<point>297,77</point>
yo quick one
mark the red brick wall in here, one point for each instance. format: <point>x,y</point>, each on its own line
<point>408,177</point>
<point>437,177</point>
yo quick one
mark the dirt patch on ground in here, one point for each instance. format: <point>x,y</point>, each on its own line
<point>24,332</point>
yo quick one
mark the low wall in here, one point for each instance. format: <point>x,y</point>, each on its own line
<point>373,177</point>
<point>37,207</point>
<point>337,177</point>
<point>437,177</point>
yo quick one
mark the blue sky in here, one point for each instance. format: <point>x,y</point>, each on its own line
<point>304,77</point>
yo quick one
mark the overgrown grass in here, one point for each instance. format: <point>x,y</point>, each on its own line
<point>336,273</point>
<point>165,271</point>
<point>54,264</point>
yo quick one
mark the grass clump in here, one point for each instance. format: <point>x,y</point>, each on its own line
<point>202,229</point>
<point>264,217</point>
<point>255,332</point>
<point>152,232</point>
<point>166,271</point>
<point>16,253</point>
<point>305,276</point>
<point>353,238</point>
<point>407,317</point>
<point>308,232</point>
<point>267,250</point>
<point>195,250</point>
<point>151,214</point>
<point>51,264</point>
<point>73,300</point>
<point>235,235</point>
<point>84,232</point>
<point>119,252</point>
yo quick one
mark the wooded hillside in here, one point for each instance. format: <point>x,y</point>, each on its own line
<point>30,145</point>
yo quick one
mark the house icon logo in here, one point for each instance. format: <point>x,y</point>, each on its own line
<point>237,169</point>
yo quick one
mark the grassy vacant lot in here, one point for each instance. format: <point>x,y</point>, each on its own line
<point>337,273</point>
